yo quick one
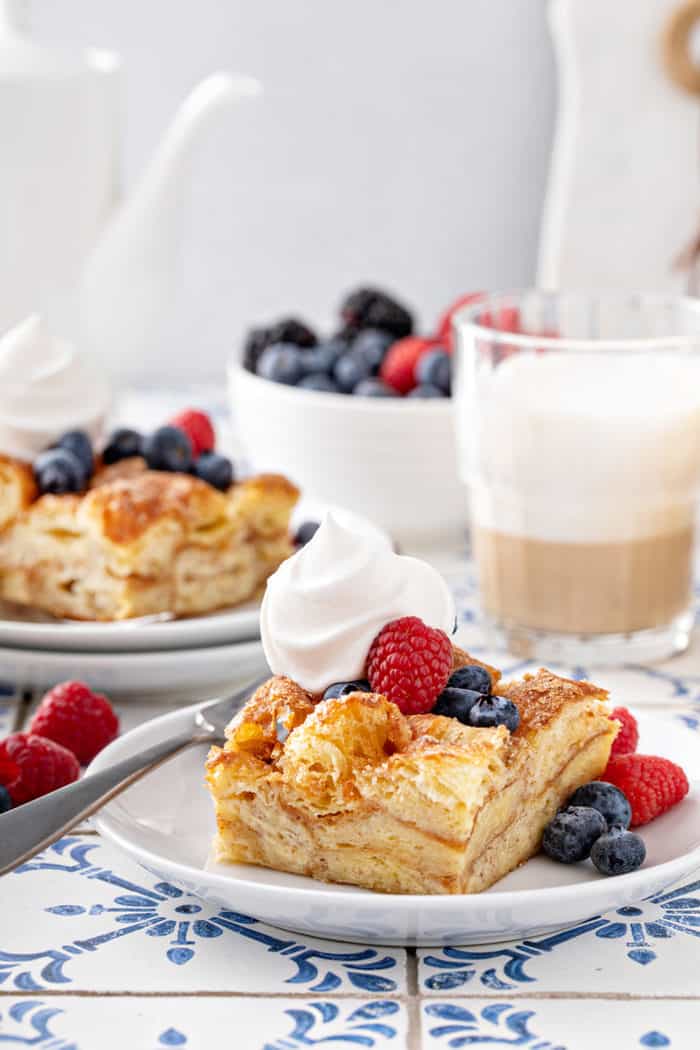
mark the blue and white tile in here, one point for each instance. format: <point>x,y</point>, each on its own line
<point>9,705</point>
<point>645,949</point>
<point>561,1024</point>
<point>112,1023</point>
<point>80,917</point>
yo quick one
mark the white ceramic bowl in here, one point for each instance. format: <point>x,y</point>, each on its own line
<point>392,460</point>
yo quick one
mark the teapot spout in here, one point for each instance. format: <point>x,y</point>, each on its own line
<point>130,281</point>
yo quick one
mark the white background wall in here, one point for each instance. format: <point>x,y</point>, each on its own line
<point>403,142</point>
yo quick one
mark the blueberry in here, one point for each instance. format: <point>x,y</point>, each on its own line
<point>58,470</point>
<point>78,442</point>
<point>216,470</point>
<point>5,800</point>
<point>319,381</point>
<point>345,688</point>
<point>306,531</point>
<point>607,799</point>
<point>322,358</point>
<point>618,851</point>
<point>435,369</point>
<point>122,444</point>
<point>491,711</point>
<point>454,702</point>
<point>570,835</point>
<point>426,390</point>
<point>374,388</point>
<point>282,363</point>
<point>350,370</point>
<point>168,448</point>
<point>372,345</point>
<point>471,677</point>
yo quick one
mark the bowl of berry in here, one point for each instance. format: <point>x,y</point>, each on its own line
<point>362,417</point>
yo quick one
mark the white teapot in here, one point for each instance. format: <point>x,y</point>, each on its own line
<point>104,270</point>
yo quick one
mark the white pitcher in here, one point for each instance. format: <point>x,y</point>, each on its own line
<point>107,271</point>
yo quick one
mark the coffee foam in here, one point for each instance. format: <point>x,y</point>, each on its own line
<point>596,447</point>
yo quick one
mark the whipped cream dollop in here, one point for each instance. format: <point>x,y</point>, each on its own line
<point>325,605</point>
<point>46,388</point>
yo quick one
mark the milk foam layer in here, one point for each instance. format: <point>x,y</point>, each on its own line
<point>325,605</point>
<point>586,448</point>
<point>45,389</point>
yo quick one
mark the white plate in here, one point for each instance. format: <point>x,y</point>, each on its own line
<point>221,628</point>
<point>165,822</point>
<point>200,673</point>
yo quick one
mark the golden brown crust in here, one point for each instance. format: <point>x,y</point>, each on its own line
<point>17,489</point>
<point>540,697</point>
<point>461,658</point>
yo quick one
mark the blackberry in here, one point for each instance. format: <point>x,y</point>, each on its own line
<point>257,340</point>
<point>372,308</point>
<point>288,330</point>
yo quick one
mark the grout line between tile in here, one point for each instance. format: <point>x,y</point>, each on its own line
<point>413,1030</point>
<point>22,709</point>
<point>410,1001</point>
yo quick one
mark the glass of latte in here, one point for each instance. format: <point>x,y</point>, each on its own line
<point>578,420</point>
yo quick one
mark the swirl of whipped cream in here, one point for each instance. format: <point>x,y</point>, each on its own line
<point>46,388</point>
<point>325,605</point>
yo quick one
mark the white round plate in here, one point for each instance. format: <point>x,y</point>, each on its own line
<point>203,672</point>
<point>166,823</point>
<point>221,628</point>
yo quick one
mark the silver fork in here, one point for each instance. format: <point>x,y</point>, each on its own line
<point>30,828</point>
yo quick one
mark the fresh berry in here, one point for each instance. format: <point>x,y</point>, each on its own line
<point>319,381</point>
<point>59,471</point>
<point>322,358</point>
<point>349,370</point>
<point>374,388</point>
<point>410,664</point>
<point>444,334</point>
<point>168,448</point>
<point>5,800</point>
<point>291,330</point>
<point>122,444</point>
<point>72,715</point>
<point>197,426</point>
<point>372,345</point>
<point>490,711</point>
<point>607,799</point>
<point>399,365</point>
<point>371,308</point>
<point>627,739</point>
<point>257,340</point>
<point>618,851</point>
<point>435,369</point>
<point>570,835</point>
<point>454,702</point>
<point>216,470</point>
<point>78,442</point>
<point>281,363</point>
<point>31,766</point>
<point>426,390</point>
<point>471,677</point>
<point>652,784</point>
<point>345,688</point>
<point>306,531</point>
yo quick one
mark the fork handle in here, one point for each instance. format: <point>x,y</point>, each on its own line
<point>30,828</point>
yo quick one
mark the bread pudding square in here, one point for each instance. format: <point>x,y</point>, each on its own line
<point>142,541</point>
<point>350,790</point>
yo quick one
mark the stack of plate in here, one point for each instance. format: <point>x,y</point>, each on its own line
<point>197,656</point>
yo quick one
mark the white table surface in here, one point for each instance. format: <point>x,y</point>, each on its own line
<point>96,953</point>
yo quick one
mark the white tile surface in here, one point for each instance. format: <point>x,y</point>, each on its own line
<point>646,949</point>
<point>563,1024</point>
<point>113,1023</point>
<point>81,917</point>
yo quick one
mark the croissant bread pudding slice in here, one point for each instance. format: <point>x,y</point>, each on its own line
<point>140,541</point>
<point>350,790</point>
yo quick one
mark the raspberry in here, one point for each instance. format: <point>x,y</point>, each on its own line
<point>651,784</point>
<point>398,367</point>
<point>410,664</point>
<point>198,428</point>
<point>627,739</point>
<point>74,716</point>
<point>31,766</point>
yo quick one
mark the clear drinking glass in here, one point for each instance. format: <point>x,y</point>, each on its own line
<point>578,419</point>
